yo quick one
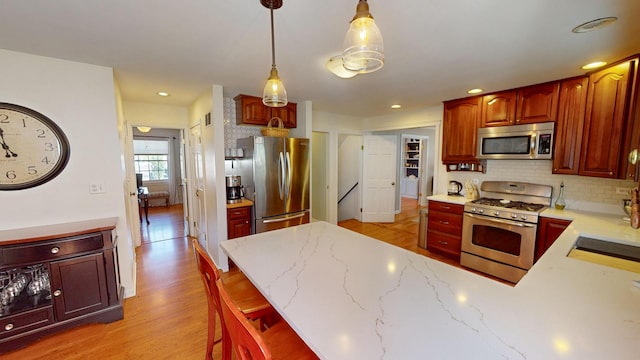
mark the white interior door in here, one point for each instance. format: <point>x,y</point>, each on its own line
<point>132,206</point>
<point>198,184</point>
<point>379,169</point>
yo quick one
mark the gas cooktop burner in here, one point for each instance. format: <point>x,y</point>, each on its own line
<point>515,205</point>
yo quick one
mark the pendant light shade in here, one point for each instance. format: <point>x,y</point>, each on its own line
<point>274,93</point>
<point>363,47</point>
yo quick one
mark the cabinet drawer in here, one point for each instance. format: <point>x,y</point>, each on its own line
<point>42,251</point>
<point>445,222</point>
<point>239,213</point>
<point>25,321</point>
<point>447,243</point>
<point>446,207</point>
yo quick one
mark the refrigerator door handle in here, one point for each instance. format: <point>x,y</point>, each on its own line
<point>288,178</point>
<point>281,175</point>
<point>284,218</point>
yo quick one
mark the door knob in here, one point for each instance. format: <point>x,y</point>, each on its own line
<point>633,157</point>
<point>132,194</point>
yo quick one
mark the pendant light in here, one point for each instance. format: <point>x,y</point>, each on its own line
<point>363,48</point>
<point>274,94</point>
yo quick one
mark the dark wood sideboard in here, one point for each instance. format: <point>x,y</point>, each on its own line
<point>80,261</point>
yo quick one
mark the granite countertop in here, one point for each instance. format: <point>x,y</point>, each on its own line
<point>389,303</point>
<point>242,203</point>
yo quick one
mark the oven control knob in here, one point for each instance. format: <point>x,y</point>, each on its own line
<point>514,216</point>
<point>497,213</point>
<point>481,211</point>
<point>523,217</point>
<point>473,210</point>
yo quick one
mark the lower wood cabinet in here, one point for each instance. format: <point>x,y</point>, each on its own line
<point>549,229</point>
<point>238,222</point>
<point>444,228</point>
<point>69,279</point>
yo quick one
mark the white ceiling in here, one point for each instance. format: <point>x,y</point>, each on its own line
<point>434,50</point>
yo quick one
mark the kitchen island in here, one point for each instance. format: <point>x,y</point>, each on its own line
<point>353,297</point>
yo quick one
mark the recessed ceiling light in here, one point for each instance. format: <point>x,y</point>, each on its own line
<point>475,91</point>
<point>396,106</point>
<point>593,65</point>
<point>594,24</point>
<point>163,94</point>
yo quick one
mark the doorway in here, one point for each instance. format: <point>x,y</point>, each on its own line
<point>158,159</point>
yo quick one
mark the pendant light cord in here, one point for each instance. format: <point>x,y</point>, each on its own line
<point>273,41</point>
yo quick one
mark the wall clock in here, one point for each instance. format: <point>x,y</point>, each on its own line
<point>34,148</point>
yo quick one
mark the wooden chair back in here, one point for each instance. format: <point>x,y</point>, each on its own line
<point>210,275</point>
<point>245,339</point>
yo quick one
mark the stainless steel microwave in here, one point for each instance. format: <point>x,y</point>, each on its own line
<point>529,141</point>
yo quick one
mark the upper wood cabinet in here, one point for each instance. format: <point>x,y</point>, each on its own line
<point>605,120</point>
<point>498,109</point>
<point>251,111</point>
<point>537,103</point>
<point>460,130</point>
<point>570,123</point>
<point>630,169</point>
<point>527,105</point>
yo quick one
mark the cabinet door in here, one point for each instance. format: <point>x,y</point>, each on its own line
<point>498,109</point>
<point>460,130</point>
<point>548,232</point>
<point>604,121</point>
<point>537,103</point>
<point>287,114</point>
<point>568,140</point>
<point>78,286</point>
<point>238,222</point>
<point>251,111</point>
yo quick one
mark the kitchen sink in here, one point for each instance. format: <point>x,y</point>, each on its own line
<point>620,256</point>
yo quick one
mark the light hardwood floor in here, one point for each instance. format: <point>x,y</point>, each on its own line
<point>167,319</point>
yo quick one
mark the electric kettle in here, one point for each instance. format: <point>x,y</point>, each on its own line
<point>454,188</point>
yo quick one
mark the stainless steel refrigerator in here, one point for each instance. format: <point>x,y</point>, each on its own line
<point>275,175</point>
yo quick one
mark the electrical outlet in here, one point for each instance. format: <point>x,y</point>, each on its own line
<point>96,188</point>
<point>623,191</point>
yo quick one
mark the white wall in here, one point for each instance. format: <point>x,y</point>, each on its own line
<point>334,125</point>
<point>81,99</point>
<point>350,170</point>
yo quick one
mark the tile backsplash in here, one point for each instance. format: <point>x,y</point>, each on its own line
<point>580,192</point>
<point>233,132</point>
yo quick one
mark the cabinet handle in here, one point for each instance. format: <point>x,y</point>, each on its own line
<point>633,157</point>
<point>445,207</point>
<point>443,242</point>
<point>57,293</point>
<point>55,250</point>
<point>444,222</point>
<point>8,327</point>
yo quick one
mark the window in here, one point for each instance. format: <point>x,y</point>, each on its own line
<point>151,159</point>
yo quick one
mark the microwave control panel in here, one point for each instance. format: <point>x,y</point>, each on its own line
<point>544,144</point>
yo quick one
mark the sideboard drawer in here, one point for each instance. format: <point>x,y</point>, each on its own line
<point>25,321</point>
<point>42,251</point>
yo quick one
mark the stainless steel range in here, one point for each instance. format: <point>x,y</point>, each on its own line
<point>499,229</point>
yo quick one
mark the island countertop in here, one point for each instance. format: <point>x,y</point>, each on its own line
<point>353,297</point>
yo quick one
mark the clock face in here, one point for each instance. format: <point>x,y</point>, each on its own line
<point>34,149</point>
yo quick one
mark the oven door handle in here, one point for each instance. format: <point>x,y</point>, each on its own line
<point>508,222</point>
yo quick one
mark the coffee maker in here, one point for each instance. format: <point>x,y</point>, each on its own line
<point>235,191</point>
